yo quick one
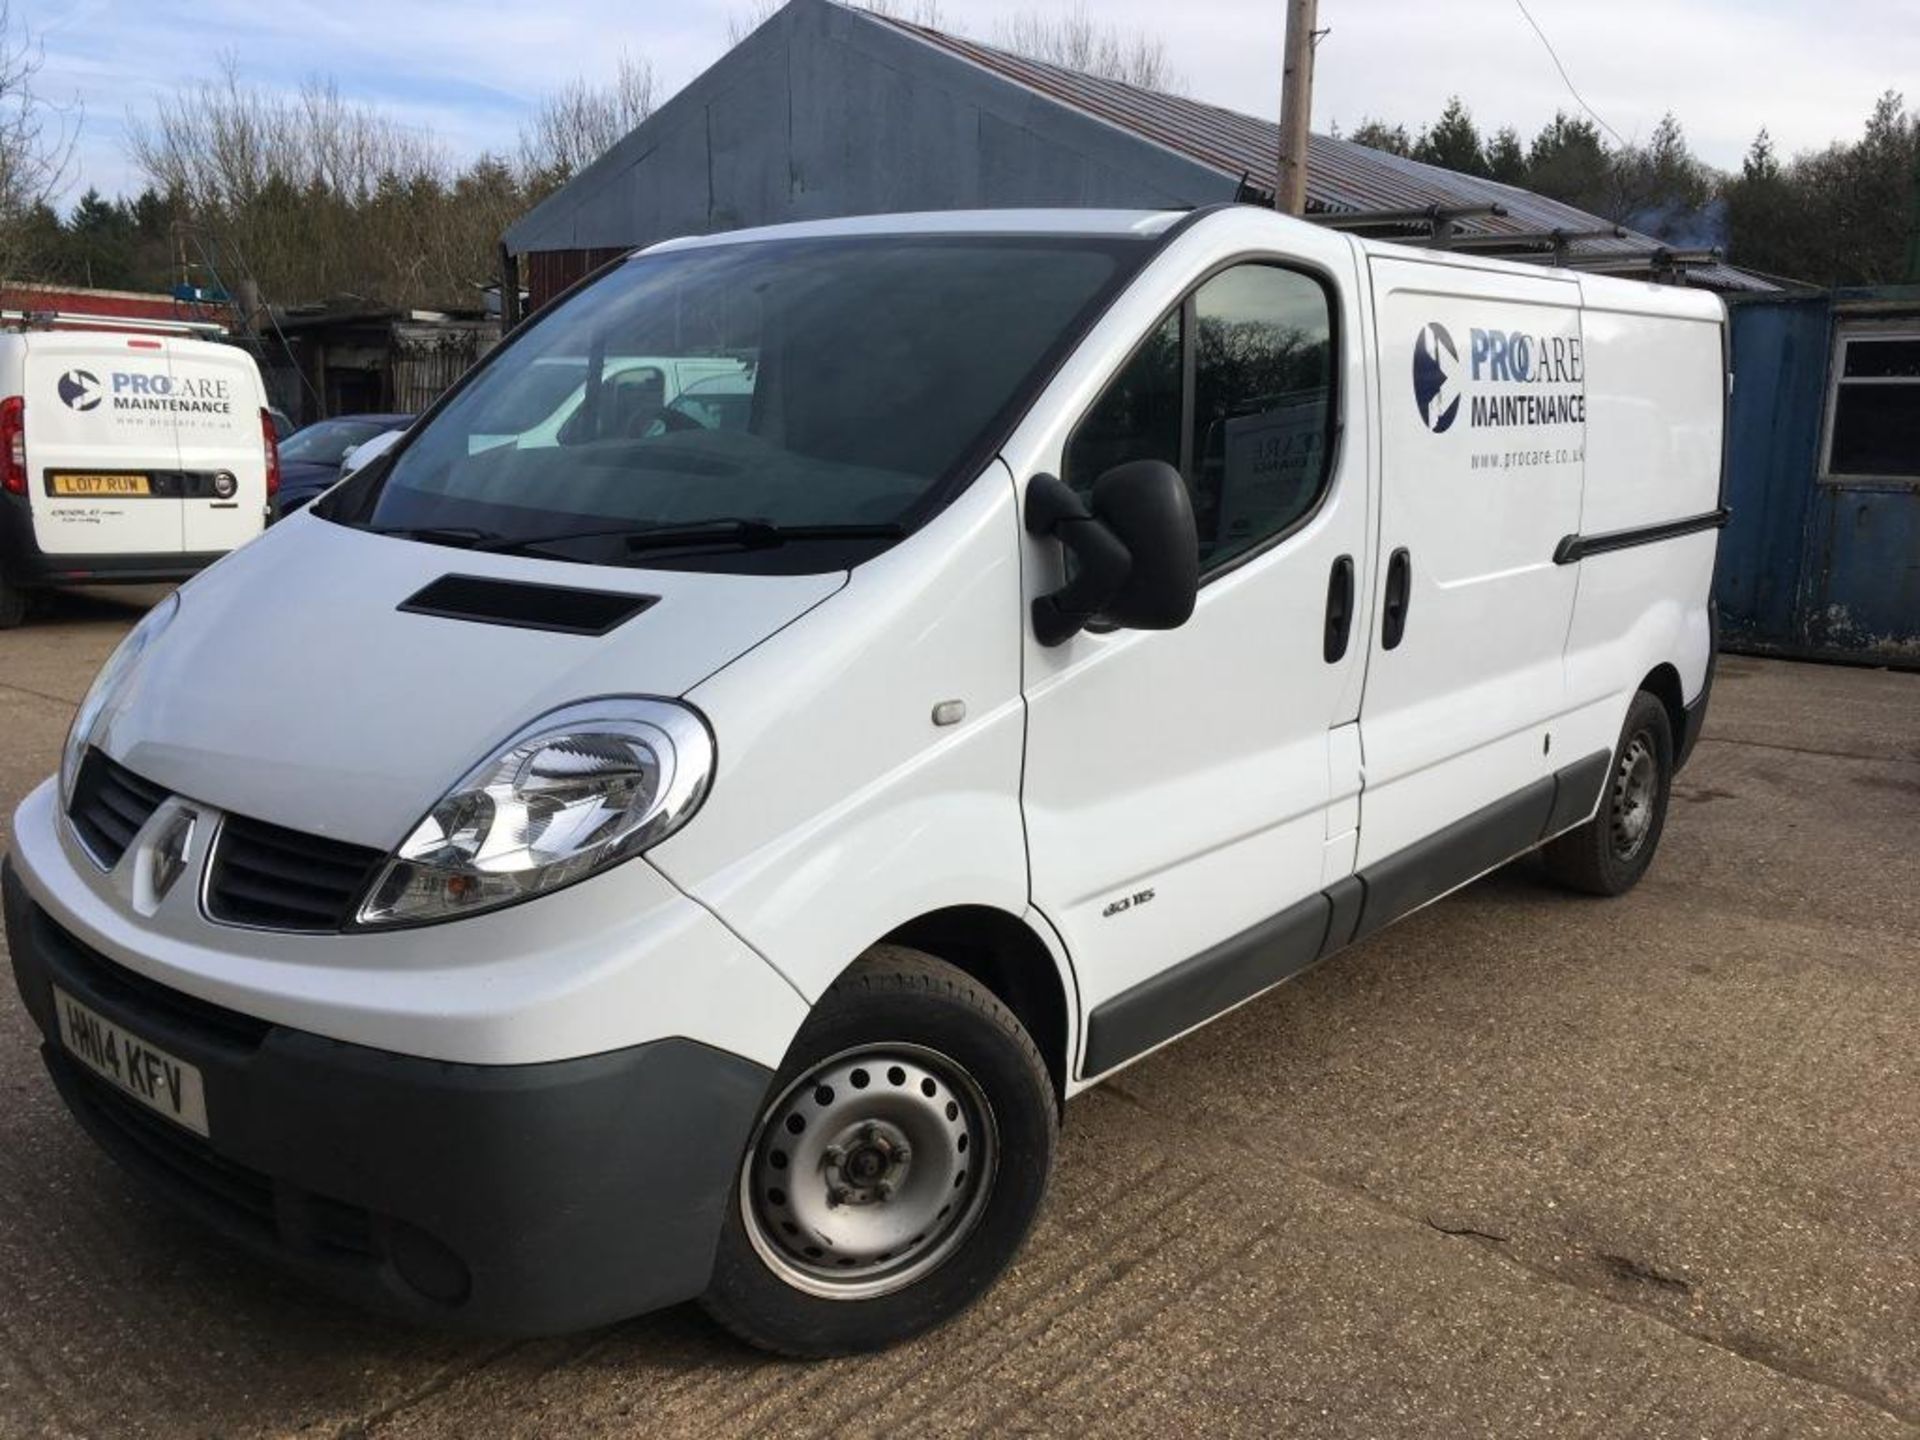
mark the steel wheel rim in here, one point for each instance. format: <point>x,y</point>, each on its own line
<point>1636,783</point>
<point>881,1182</point>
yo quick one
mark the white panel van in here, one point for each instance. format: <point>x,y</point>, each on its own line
<point>125,457</point>
<point>698,851</point>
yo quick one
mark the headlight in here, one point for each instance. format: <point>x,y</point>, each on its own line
<point>107,685</point>
<point>574,792</point>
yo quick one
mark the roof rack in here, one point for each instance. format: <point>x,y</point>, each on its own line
<point>1442,221</point>
<point>1665,264</point>
<point>1526,245</point>
<point>19,319</point>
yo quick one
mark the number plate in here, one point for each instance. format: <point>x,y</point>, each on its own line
<point>102,485</point>
<point>159,1081</point>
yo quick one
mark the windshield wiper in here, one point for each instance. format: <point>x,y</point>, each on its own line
<point>748,534</point>
<point>462,535</point>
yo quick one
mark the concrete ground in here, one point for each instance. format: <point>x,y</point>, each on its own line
<point>1523,1164</point>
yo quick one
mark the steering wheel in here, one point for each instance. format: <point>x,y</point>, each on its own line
<point>667,418</point>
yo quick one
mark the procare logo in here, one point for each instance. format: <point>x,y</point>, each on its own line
<point>1508,378</point>
<point>81,390</point>
<point>1436,377</point>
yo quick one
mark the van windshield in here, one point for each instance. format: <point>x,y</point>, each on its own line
<point>784,406</point>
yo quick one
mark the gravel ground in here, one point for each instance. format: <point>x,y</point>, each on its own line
<point>1522,1164</point>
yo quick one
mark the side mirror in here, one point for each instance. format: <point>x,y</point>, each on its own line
<point>1136,553</point>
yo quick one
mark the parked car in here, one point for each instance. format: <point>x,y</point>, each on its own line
<point>313,459</point>
<point>552,879</point>
<point>125,458</point>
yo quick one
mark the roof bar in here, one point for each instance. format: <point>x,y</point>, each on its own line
<point>1557,243</point>
<point>1438,216</point>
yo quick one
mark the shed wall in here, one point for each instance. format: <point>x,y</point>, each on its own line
<point>821,113</point>
<point>1829,569</point>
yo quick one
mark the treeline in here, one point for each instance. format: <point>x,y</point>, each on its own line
<point>1845,215</point>
<point>254,193</point>
<point>311,196</point>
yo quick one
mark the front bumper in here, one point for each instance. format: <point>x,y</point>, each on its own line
<point>519,1199</point>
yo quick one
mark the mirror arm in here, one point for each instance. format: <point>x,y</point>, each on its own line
<point>1102,564</point>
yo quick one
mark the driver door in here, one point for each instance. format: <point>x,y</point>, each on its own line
<point>1189,793</point>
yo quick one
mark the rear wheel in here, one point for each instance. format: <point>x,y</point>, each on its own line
<point>1609,854</point>
<point>13,603</point>
<point>895,1171</point>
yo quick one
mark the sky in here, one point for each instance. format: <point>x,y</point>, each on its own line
<point>468,74</point>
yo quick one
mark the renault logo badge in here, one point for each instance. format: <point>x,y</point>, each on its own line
<point>168,858</point>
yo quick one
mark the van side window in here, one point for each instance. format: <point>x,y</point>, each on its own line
<point>1250,435</point>
<point>1137,417</point>
<point>1262,393</point>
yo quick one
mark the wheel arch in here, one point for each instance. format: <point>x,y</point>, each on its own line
<point>1663,683</point>
<point>1005,954</point>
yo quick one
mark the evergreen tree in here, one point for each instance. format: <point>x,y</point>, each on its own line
<point>1378,135</point>
<point>98,248</point>
<point>1453,142</point>
<point>1506,158</point>
<point>1568,161</point>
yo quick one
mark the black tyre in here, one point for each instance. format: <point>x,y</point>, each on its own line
<point>895,1171</point>
<point>1609,854</point>
<point>13,604</point>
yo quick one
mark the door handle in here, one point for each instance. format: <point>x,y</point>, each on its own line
<point>1393,620</point>
<point>1339,609</point>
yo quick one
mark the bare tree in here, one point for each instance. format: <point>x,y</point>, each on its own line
<point>742,23</point>
<point>1075,40</point>
<point>313,196</point>
<point>914,12</point>
<point>580,122</point>
<point>36,146</point>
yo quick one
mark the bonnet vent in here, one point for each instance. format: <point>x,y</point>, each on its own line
<point>527,606</point>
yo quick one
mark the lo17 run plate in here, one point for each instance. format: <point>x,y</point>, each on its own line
<point>161,1082</point>
<point>101,484</point>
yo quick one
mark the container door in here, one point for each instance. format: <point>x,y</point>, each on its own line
<point>1179,783</point>
<point>101,459</point>
<point>216,416</point>
<point>1483,433</point>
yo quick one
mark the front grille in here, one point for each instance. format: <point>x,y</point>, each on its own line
<point>140,997</point>
<point>110,804</point>
<point>279,879</point>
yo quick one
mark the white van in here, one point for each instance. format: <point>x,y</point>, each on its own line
<point>701,860</point>
<point>633,391</point>
<point>125,457</point>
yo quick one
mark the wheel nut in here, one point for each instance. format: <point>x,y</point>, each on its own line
<point>902,1152</point>
<point>839,1195</point>
<point>884,1189</point>
<point>834,1155</point>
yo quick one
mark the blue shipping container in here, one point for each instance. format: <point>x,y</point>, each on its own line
<point>1822,557</point>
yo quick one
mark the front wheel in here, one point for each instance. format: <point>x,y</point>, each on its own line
<point>1609,854</point>
<point>896,1169</point>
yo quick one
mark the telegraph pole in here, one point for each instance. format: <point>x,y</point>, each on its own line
<point>1296,109</point>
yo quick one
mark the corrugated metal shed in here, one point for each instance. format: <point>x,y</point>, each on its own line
<point>825,111</point>
<point>1342,177</point>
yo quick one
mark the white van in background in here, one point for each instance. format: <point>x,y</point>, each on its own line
<point>696,853</point>
<point>126,457</point>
